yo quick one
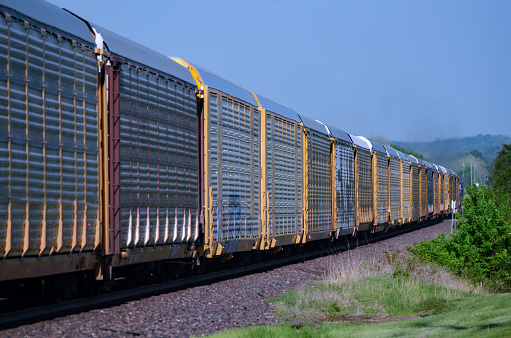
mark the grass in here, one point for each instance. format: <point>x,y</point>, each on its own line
<point>472,316</point>
<point>392,296</point>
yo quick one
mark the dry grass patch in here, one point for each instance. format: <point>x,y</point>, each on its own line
<point>378,289</point>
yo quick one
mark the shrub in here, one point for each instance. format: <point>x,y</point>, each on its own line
<point>481,248</point>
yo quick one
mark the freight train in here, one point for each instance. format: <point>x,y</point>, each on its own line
<point>115,159</point>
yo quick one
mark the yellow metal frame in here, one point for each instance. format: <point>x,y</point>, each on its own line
<point>388,190</point>
<point>333,184</point>
<point>266,241</point>
<point>401,221</point>
<point>420,191</point>
<point>195,73</point>
<point>374,178</point>
<point>411,191</point>
<point>357,212</point>
<point>305,184</point>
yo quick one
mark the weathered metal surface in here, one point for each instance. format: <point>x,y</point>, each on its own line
<point>158,177</point>
<point>142,55</point>
<point>365,187</point>
<point>319,182</point>
<point>48,142</point>
<point>394,185</point>
<point>382,186</point>
<point>415,192</point>
<point>50,17</point>
<point>235,183</point>
<point>284,175</point>
<point>345,185</point>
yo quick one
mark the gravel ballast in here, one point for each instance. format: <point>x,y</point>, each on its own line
<point>207,309</point>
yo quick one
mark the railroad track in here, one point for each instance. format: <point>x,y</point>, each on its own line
<point>47,312</point>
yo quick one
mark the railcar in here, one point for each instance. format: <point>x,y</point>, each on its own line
<point>405,189</point>
<point>395,187</point>
<point>343,181</point>
<point>49,179</point>
<point>116,160</point>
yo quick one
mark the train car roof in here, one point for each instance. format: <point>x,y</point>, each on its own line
<point>51,17</point>
<point>442,169</point>
<point>338,134</point>
<point>379,148</point>
<point>230,88</point>
<point>277,108</point>
<point>133,51</point>
<point>314,125</point>
<point>413,159</point>
<point>361,142</point>
<point>402,155</point>
<point>428,165</point>
<point>391,151</point>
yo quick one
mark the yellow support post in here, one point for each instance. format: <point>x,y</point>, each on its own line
<point>103,234</point>
<point>265,226</point>
<point>401,189</point>
<point>333,185</point>
<point>266,242</point>
<point>420,192</point>
<point>411,191</point>
<point>388,191</point>
<point>374,177</point>
<point>305,183</point>
<point>357,212</point>
<point>208,190</point>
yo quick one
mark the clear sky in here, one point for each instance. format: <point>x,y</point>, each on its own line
<point>405,70</point>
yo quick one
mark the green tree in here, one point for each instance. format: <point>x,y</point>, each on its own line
<point>481,248</point>
<point>500,176</point>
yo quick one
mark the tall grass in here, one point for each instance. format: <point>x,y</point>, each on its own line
<point>390,285</point>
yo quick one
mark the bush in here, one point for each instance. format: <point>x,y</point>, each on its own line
<point>481,248</point>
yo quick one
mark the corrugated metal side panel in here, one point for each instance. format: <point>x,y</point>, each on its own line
<point>158,128</point>
<point>320,193</point>
<point>442,192</point>
<point>415,192</point>
<point>424,193</point>
<point>365,187</point>
<point>284,174</point>
<point>235,143</point>
<point>382,188</point>
<point>436,193</point>
<point>49,177</point>
<point>406,190</point>
<point>451,191</point>
<point>447,198</point>
<point>395,189</point>
<point>431,192</point>
<point>345,177</point>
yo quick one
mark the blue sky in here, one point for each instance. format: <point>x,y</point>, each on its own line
<point>404,70</point>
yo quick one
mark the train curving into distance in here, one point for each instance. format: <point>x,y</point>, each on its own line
<point>115,158</point>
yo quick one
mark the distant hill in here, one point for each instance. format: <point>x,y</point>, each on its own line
<point>448,152</point>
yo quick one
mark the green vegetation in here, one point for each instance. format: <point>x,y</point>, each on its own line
<point>392,296</point>
<point>500,177</point>
<point>481,248</point>
<point>409,152</point>
<point>471,316</point>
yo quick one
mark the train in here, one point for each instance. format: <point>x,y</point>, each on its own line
<point>116,159</point>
